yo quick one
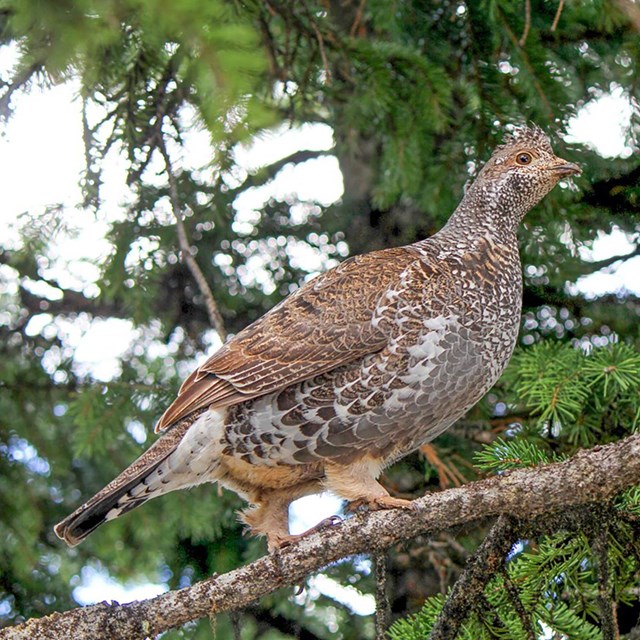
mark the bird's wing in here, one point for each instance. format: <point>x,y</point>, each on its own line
<point>325,324</point>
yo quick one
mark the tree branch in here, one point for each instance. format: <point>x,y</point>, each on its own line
<point>21,78</point>
<point>265,174</point>
<point>514,596</point>
<point>215,317</point>
<point>480,569</point>
<point>597,265</point>
<point>605,597</point>
<point>592,476</point>
<point>383,608</point>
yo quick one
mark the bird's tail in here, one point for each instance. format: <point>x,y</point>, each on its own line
<point>138,483</point>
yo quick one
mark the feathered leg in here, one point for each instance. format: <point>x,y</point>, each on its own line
<point>358,484</point>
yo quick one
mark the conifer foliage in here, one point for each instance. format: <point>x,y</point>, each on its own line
<point>416,93</point>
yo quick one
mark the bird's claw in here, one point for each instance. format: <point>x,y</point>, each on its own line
<point>275,543</point>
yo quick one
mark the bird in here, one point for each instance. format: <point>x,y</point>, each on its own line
<point>357,368</point>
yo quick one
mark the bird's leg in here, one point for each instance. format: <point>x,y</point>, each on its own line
<point>270,518</point>
<point>357,483</point>
<point>331,521</point>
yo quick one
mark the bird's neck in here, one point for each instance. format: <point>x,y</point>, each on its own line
<point>482,214</point>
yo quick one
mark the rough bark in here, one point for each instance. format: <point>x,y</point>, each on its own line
<point>486,562</point>
<point>592,476</point>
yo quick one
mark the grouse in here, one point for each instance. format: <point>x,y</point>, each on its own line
<point>357,368</point>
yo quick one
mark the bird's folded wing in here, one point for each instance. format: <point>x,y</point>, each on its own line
<point>323,325</point>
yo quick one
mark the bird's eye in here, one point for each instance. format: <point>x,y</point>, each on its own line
<point>524,158</point>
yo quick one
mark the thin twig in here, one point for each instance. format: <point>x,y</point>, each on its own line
<point>215,318</point>
<point>447,475</point>
<point>272,50</point>
<point>272,12</point>
<point>554,26</point>
<point>487,612</point>
<point>323,55</point>
<point>358,19</point>
<point>527,63</point>
<point>527,22</point>
<point>320,39</point>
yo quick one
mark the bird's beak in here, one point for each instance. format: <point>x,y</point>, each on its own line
<point>564,168</point>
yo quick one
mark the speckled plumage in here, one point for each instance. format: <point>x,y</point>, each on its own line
<point>359,367</point>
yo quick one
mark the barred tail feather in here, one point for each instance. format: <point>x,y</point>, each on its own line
<point>126,492</point>
<point>101,508</point>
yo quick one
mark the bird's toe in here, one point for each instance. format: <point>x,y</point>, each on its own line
<point>377,503</point>
<point>278,541</point>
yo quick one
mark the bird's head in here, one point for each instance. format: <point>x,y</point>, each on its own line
<point>520,173</point>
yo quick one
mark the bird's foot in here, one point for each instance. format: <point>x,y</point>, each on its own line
<point>380,502</point>
<point>277,541</point>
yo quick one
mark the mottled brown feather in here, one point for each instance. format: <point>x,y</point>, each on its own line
<point>323,325</point>
<point>359,367</point>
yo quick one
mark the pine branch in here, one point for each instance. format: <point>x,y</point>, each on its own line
<point>592,476</point>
